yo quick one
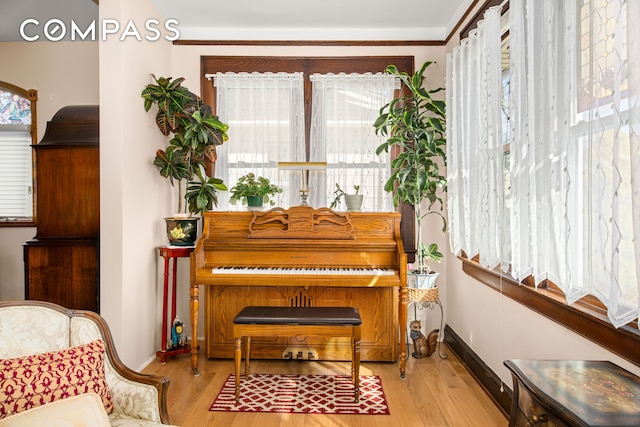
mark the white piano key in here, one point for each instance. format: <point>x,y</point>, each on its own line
<point>304,271</point>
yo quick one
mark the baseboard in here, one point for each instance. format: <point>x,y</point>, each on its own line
<point>488,380</point>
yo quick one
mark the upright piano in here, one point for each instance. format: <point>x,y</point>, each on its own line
<point>301,256</point>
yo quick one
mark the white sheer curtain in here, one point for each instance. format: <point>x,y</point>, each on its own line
<point>474,143</point>
<point>266,125</point>
<point>572,180</point>
<point>542,95</point>
<point>345,106</point>
<point>575,150</point>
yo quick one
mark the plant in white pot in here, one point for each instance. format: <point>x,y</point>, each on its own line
<point>415,124</point>
<point>353,201</point>
<point>427,278</point>
<point>195,133</point>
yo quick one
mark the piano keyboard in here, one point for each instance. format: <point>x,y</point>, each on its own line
<point>305,271</point>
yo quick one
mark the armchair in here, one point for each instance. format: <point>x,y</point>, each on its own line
<point>33,327</point>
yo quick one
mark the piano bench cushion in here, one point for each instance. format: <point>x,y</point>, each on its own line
<point>298,316</point>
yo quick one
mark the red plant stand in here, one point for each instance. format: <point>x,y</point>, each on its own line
<point>169,253</point>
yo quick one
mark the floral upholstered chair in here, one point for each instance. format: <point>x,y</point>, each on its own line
<point>49,354</point>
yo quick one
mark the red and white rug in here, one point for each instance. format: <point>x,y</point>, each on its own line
<point>304,394</point>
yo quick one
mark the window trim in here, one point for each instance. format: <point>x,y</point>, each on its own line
<point>586,317</point>
<point>32,96</point>
<point>310,65</point>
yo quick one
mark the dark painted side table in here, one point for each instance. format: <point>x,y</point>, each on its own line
<point>169,253</point>
<point>573,393</point>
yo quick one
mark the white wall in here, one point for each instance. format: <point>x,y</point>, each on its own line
<point>133,199</point>
<point>68,73</point>
<point>63,73</point>
<point>11,264</point>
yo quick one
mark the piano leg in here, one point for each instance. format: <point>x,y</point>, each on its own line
<point>194,304</point>
<point>355,361</point>
<point>246,358</point>
<point>402,310</point>
<point>236,362</point>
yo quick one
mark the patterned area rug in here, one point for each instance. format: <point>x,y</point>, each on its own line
<point>304,394</point>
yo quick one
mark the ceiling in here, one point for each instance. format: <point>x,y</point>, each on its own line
<point>259,19</point>
<point>315,20</point>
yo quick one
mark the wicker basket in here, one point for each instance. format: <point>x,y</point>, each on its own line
<point>422,295</point>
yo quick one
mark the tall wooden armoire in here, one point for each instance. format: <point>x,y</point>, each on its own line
<point>62,260</point>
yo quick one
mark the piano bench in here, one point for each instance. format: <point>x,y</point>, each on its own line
<point>297,321</point>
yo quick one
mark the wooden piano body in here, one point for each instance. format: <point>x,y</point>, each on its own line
<point>301,257</point>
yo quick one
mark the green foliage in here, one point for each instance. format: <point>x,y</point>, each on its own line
<point>252,185</point>
<point>415,123</point>
<point>202,194</point>
<point>196,134</point>
<point>172,164</point>
<point>429,253</point>
<point>339,194</point>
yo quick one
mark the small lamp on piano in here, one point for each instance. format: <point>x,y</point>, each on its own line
<point>304,167</point>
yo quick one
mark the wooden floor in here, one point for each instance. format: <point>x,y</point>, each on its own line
<point>435,392</point>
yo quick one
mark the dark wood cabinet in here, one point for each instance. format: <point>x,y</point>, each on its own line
<point>573,393</point>
<point>62,260</point>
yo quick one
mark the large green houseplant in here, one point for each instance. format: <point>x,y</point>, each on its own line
<point>415,124</point>
<point>195,133</point>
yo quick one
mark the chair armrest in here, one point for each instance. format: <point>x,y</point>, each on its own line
<point>138,395</point>
<point>142,396</point>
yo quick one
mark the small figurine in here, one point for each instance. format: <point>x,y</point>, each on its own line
<point>422,347</point>
<point>176,332</point>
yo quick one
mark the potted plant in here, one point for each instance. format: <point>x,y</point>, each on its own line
<point>195,133</point>
<point>414,123</point>
<point>353,201</point>
<point>427,279</point>
<point>254,191</point>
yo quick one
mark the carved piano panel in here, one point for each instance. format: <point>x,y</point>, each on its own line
<point>301,256</point>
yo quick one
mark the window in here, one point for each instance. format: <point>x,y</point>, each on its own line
<point>568,220</point>
<point>265,114</point>
<point>211,65</point>
<point>571,152</point>
<point>345,106</point>
<point>265,127</point>
<point>17,134</point>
